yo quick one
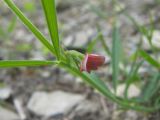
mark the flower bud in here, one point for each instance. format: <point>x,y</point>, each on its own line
<point>92,62</point>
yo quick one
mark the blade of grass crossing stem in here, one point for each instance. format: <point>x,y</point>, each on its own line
<point>51,18</point>
<point>115,54</point>
<point>29,25</point>
<point>23,63</point>
<point>149,59</point>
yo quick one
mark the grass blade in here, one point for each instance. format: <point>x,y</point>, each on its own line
<point>12,25</point>
<point>51,18</point>
<point>2,32</point>
<point>151,88</point>
<point>20,63</point>
<point>98,11</point>
<point>92,43</point>
<point>29,25</point>
<point>149,59</point>
<point>115,55</point>
<point>132,77</point>
<point>104,45</point>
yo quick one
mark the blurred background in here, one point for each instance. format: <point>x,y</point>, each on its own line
<point>50,93</point>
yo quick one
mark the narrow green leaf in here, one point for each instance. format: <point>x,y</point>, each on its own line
<point>132,76</point>
<point>19,63</point>
<point>98,11</point>
<point>51,17</point>
<point>104,45</point>
<point>2,32</point>
<point>91,45</point>
<point>12,25</point>
<point>102,41</point>
<point>152,87</point>
<point>95,79</point>
<point>116,48</point>
<point>149,59</point>
<point>29,25</point>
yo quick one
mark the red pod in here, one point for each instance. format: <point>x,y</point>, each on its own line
<point>92,62</point>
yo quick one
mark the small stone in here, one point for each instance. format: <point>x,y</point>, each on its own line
<point>68,40</point>
<point>45,74</point>
<point>81,39</point>
<point>5,93</point>
<point>142,70</point>
<point>67,78</point>
<point>133,91</point>
<point>120,90</point>
<point>116,115</point>
<point>155,41</point>
<point>79,80</point>
<point>86,107</point>
<point>131,115</point>
<point>54,103</point>
<point>37,56</point>
<point>125,115</point>
<point>6,114</point>
<point>120,7</point>
<point>18,105</point>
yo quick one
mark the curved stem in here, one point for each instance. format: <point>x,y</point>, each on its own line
<point>107,93</point>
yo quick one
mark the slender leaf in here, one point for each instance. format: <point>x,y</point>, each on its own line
<point>149,59</point>
<point>132,76</point>
<point>29,25</point>
<point>152,87</point>
<point>115,55</point>
<point>2,32</point>
<point>102,41</point>
<point>98,11</point>
<point>51,17</point>
<point>91,45</point>
<point>104,45</point>
<point>18,63</point>
<point>12,25</point>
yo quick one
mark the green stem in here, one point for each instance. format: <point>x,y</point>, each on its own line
<point>107,93</point>
<point>29,25</point>
<point>26,63</point>
<point>49,8</point>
